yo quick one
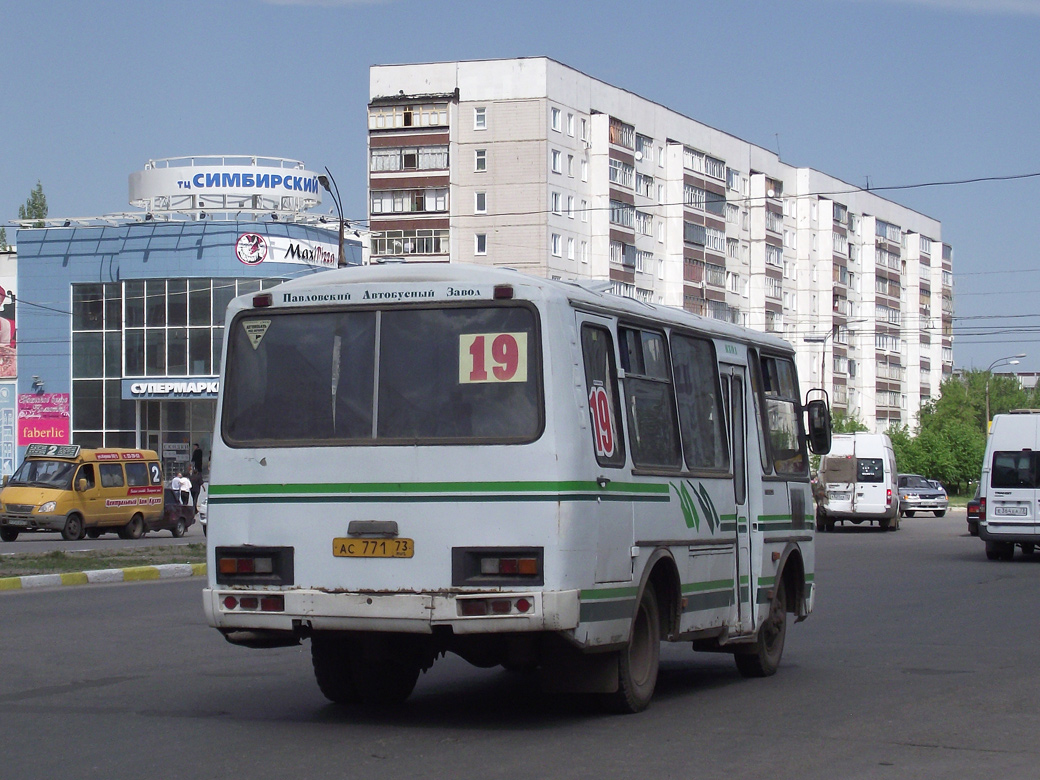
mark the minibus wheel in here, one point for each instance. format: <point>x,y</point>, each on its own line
<point>638,663</point>
<point>178,529</point>
<point>762,658</point>
<point>8,534</point>
<point>134,529</point>
<point>74,529</point>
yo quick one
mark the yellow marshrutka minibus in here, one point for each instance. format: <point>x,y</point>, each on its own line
<point>82,492</point>
<point>426,458</point>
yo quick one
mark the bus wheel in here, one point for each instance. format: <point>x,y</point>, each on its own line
<point>884,523</point>
<point>330,656</point>
<point>385,670</point>
<point>134,529</point>
<point>73,530</point>
<point>762,658</point>
<point>1027,549</point>
<point>638,663</point>
<point>8,534</point>
<point>178,529</point>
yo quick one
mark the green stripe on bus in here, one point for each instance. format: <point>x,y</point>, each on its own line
<point>695,587</point>
<point>656,490</point>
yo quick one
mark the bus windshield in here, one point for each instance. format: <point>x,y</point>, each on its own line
<point>44,473</point>
<point>433,375</point>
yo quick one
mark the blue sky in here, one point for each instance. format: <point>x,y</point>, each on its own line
<point>891,92</point>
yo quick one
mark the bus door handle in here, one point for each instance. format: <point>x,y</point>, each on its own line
<point>602,481</point>
<point>387,528</point>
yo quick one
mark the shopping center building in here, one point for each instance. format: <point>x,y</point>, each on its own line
<point>121,319</point>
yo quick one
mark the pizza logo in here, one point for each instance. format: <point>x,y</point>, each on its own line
<point>251,248</point>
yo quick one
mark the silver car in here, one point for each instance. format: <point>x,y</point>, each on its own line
<point>917,494</point>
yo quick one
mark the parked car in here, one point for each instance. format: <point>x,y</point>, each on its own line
<point>973,513</point>
<point>917,494</point>
<point>176,517</point>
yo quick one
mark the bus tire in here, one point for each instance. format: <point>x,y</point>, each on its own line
<point>884,522</point>
<point>8,534</point>
<point>74,529</point>
<point>331,658</point>
<point>385,670</point>
<point>762,658</point>
<point>639,661</point>
<point>134,529</point>
<point>178,529</point>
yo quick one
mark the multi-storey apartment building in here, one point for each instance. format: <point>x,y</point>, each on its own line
<point>530,164</point>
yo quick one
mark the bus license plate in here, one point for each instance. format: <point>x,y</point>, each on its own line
<point>372,548</point>
<point>1010,511</point>
<point>839,496</point>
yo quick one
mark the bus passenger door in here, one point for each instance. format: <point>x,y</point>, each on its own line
<point>733,392</point>
<point>612,520</point>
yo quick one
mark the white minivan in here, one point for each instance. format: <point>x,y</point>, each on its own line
<point>1010,485</point>
<point>857,482</point>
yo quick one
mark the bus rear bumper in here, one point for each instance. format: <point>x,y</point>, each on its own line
<point>232,611</point>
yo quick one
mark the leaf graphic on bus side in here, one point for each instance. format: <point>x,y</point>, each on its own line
<point>714,522</point>
<point>689,511</point>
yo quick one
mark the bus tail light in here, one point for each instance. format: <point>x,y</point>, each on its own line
<point>269,603</point>
<point>254,565</point>
<point>497,566</point>
<point>982,508</point>
<point>497,605</point>
<point>888,498</point>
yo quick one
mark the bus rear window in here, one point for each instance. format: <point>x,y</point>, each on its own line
<point>435,375</point>
<point>870,470</point>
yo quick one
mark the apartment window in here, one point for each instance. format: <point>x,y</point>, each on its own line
<point>480,244</point>
<point>554,119</point>
<point>421,115</point>
<point>645,185</point>
<point>693,160</point>
<point>716,169</point>
<point>644,223</point>
<point>584,129</point>
<point>570,248</point>
<point>480,160</point>
<point>570,165</point>
<point>570,206</point>
<point>556,245</point>
<point>557,161</point>
<point>480,118</point>
<point>585,251</point>
<point>622,214</point>
<point>409,201</point>
<point>584,211</point>
<point>644,148</point>
<point>480,202</point>
<point>421,158</point>
<point>622,134</point>
<point>570,125</point>
<point>584,170</point>
<point>554,200</point>
<point>621,173</point>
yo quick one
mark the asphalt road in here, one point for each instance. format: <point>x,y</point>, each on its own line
<point>921,661</point>
<point>49,542</point>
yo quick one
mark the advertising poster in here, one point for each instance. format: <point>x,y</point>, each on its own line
<point>43,418</point>
<point>8,363</point>
<point>7,431</point>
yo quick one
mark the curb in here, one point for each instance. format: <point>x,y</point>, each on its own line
<point>165,571</point>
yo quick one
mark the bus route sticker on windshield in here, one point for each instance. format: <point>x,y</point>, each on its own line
<point>492,357</point>
<point>256,329</point>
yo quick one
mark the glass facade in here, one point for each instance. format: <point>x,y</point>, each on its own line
<point>147,328</point>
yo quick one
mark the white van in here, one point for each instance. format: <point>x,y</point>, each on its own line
<point>1010,485</point>
<point>857,482</point>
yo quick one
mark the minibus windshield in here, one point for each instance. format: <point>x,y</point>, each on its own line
<point>44,473</point>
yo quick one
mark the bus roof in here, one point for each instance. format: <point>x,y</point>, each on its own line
<point>377,279</point>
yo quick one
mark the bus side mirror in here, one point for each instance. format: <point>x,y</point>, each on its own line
<point>819,426</point>
<point>81,486</point>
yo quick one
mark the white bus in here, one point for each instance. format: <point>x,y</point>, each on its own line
<point>415,459</point>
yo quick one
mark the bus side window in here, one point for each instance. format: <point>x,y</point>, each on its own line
<point>701,418</point>
<point>786,437</point>
<point>653,429</point>
<point>601,387</point>
<point>111,474</point>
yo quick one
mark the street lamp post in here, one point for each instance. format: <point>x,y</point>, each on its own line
<point>1011,360</point>
<point>324,182</point>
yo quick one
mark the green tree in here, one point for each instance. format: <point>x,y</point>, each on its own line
<point>35,207</point>
<point>3,239</point>
<point>841,422</point>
